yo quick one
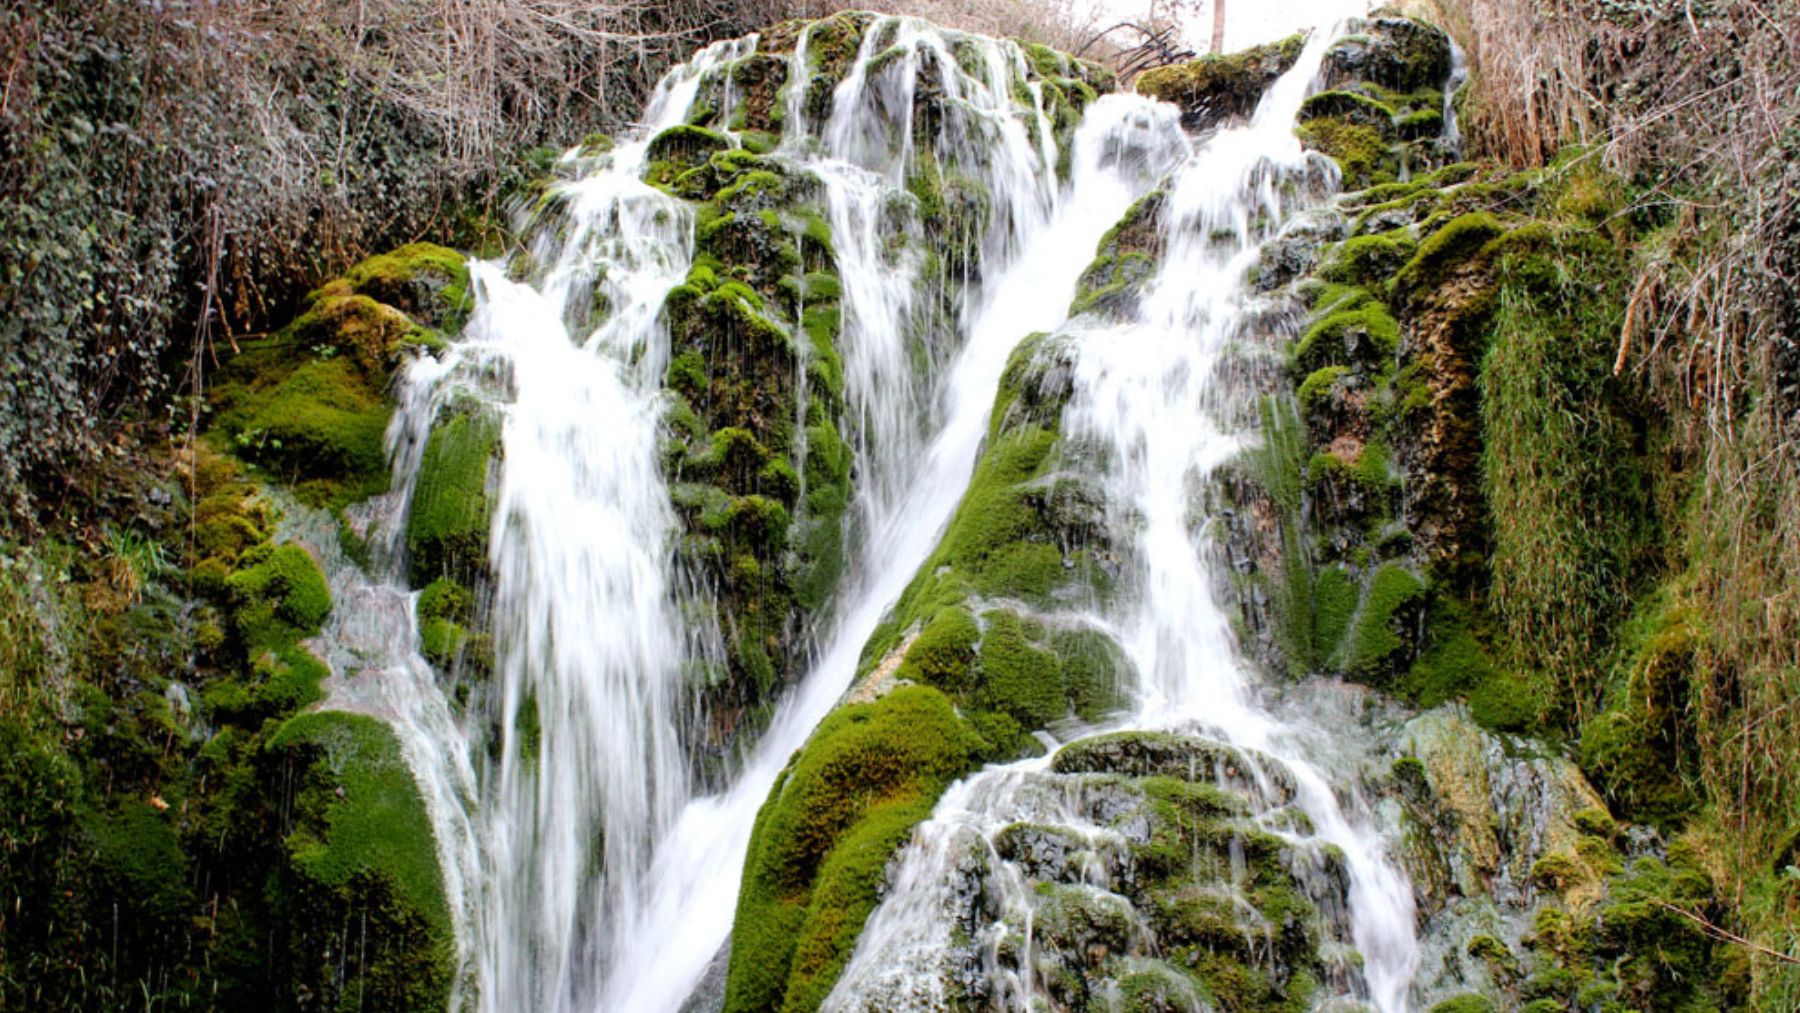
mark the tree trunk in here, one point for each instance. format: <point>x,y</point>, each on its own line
<point>1218,39</point>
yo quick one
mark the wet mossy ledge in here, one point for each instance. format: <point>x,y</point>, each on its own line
<point>1220,87</point>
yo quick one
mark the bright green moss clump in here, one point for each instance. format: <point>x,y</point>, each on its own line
<point>322,421</point>
<point>850,797</point>
<point>360,858</point>
<point>1450,246</point>
<point>309,404</point>
<point>447,528</point>
<point>1367,334</point>
<point>279,595</point>
<point>1378,633</point>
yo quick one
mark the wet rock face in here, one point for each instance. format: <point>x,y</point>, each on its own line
<point>1396,53</point>
<point>1527,888</point>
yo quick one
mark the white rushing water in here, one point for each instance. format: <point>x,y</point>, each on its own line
<point>582,869</point>
<point>1151,395</point>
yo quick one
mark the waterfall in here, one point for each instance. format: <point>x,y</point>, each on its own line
<point>1154,402</point>
<point>585,867</point>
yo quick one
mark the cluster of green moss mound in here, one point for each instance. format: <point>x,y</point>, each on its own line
<point>360,885</point>
<point>308,403</point>
<point>1382,113</point>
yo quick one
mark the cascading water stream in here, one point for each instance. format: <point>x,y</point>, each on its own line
<point>1152,402</point>
<point>908,487</point>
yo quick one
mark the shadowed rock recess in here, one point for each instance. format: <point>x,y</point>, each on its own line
<point>278,733</point>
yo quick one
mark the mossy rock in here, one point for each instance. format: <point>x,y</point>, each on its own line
<point>1383,633</point>
<point>322,422</point>
<point>1165,754</point>
<point>1397,53</point>
<point>451,511</point>
<point>847,800</point>
<point>1363,153</point>
<point>361,863</point>
<point>310,404</point>
<point>1455,244</point>
<point>278,596</point>
<point>1366,335</point>
<point>427,282</point>
<point>1220,86</point>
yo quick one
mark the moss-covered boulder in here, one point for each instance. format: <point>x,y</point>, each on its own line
<point>309,403</point>
<point>362,892</point>
<point>869,774</point>
<point>1130,871</point>
<point>448,522</point>
<point>1217,87</point>
<point>1381,114</point>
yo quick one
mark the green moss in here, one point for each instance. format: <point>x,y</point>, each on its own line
<point>1363,155</point>
<point>322,421</point>
<point>1367,260</point>
<point>1318,384</point>
<point>1350,107</point>
<point>679,149</point>
<point>447,524</point>
<point>1464,1004</point>
<point>1633,749</point>
<point>282,681</point>
<point>943,654</point>
<point>278,596</point>
<point>360,886</point>
<point>1379,634</point>
<point>377,824</point>
<point>848,799</point>
<point>1367,335</point>
<point>445,608</point>
<point>1017,676</point>
<point>428,282</point>
<point>138,860</point>
<point>1452,245</point>
<point>1334,604</point>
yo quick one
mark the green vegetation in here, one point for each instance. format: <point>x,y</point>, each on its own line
<point>452,507</point>
<point>848,799</point>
